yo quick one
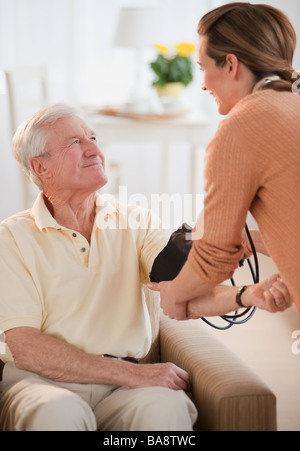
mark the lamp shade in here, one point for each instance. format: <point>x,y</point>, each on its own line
<point>137,27</point>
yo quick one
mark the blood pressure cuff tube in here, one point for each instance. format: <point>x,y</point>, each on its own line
<point>171,259</point>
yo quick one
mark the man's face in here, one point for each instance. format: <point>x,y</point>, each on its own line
<point>75,162</point>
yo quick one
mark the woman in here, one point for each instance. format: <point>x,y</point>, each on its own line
<point>253,162</point>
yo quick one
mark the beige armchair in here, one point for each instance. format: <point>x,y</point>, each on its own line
<point>227,394</point>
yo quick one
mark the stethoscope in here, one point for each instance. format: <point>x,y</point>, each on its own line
<point>241,318</point>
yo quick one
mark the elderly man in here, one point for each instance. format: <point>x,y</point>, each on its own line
<point>71,275</point>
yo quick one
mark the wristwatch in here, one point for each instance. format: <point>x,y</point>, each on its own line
<point>239,297</point>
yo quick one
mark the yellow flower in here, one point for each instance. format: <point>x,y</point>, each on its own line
<point>162,49</point>
<point>185,49</point>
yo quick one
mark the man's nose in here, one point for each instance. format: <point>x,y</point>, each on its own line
<point>91,147</point>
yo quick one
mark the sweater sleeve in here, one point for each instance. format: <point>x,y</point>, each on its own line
<point>232,182</point>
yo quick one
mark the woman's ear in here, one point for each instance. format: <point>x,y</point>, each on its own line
<point>232,63</point>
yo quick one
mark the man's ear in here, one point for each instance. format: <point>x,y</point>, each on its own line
<point>39,168</point>
<point>232,63</point>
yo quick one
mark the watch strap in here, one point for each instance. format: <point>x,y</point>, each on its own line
<point>239,296</point>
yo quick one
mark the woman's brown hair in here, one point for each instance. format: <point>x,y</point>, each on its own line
<point>261,37</point>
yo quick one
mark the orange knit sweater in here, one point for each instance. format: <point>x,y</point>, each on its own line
<point>253,164</point>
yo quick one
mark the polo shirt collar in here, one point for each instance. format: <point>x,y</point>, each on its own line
<point>41,214</point>
<point>44,219</point>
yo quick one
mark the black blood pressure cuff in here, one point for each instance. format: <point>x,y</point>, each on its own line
<point>171,259</point>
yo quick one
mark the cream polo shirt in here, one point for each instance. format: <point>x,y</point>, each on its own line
<point>88,295</point>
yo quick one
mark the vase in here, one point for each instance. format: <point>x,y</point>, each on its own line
<point>171,90</point>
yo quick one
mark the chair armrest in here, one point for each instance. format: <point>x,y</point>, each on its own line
<point>228,395</point>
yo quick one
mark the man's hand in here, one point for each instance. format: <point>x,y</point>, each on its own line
<point>271,295</point>
<point>161,374</point>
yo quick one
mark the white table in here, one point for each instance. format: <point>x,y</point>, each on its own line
<point>189,128</point>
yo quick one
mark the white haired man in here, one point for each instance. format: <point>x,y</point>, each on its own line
<point>71,296</point>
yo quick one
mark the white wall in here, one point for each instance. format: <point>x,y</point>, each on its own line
<point>74,39</point>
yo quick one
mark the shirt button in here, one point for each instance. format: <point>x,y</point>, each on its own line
<point>74,235</point>
<point>83,250</point>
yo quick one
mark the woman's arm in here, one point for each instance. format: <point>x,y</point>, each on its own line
<point>258,242</point>
<point>187,296</point>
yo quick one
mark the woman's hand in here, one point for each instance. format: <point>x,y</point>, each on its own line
<point>171,308</point>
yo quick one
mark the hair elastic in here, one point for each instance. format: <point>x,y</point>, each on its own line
<point>265,81</point>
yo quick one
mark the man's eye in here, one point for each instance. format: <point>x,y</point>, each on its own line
<point>93,138</point>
